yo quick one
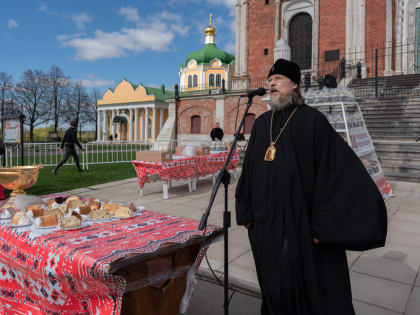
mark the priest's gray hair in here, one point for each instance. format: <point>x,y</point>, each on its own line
<point>297,98</point>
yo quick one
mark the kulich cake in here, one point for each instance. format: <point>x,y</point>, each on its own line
<point>49,220</point>
<point>70,222</point>
<point>75,203</point>
<point>32,207</point>
<point>50,203</point>
<point>95,205</point>
<point>37,212</point>
<point>99,215</point>
<point>72,198</point>
<point>123,212</point>
<point>16,218</point>
<point>111,207</point>
<point>77,215</point>
<point>55,211</point>
<point>132,207</point>
<point>85,210</point>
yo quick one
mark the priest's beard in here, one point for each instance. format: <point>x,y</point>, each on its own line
<point>280,102</point>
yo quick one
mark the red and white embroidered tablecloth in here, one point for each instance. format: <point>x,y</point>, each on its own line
<point>185,168</point>
<point>66,272</point>
<point>212,163</point>
<point>177,169</point>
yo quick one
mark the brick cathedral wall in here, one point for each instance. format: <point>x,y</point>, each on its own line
<point>261,24</point>
<point>258,107</point>
<point>375,34</point>
<point>206,109</point>
<point>203,107</point>
<point>332,31</point>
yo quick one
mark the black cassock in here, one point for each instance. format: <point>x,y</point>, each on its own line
<point>315,188</point>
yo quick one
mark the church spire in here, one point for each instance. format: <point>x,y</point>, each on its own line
<point>210,31</point>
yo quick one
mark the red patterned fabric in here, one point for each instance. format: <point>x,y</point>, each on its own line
<point>184,168</point>
<point>212,163</point>
<point>66,272</point>
<point>177,169</point>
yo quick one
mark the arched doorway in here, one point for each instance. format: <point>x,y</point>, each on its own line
<point>300,40</point>
<point>248,123</point>
<point>196,124</point>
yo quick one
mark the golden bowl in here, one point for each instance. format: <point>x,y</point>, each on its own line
<point>19,178</point>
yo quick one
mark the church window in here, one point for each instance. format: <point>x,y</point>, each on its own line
<point>211,80</point>
<point>195,80</point>
<point>195,124</point>
<point>189,81</point>
<point>218,80</point>
<point>300,40</point>
<point>265,51</point>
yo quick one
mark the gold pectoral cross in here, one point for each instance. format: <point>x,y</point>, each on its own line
<point>270,154</point>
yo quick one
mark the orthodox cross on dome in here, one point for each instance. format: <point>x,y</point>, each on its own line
<point>210,31</point>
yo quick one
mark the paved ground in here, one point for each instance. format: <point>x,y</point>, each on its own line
<point>385,281</point>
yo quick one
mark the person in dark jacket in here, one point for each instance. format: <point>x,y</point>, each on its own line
<point>69,141</point>
<point>217,133</point>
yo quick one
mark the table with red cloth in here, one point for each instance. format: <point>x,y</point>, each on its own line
<point>85,271</point>
<point>189,168</point>
<point>212,163</point>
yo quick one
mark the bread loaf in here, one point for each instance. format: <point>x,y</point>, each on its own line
<point>75,203</point>
<point>99,215</point>
<point>17,217</point>
<point>123,212</point>
<point>70,222</point>
<point>49,220</point>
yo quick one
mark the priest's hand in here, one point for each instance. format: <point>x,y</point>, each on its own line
<point>248,224</point>
<point>316,241</point>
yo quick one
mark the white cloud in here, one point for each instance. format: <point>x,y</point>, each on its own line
<point>96,82</point>
<point>12,23</point>
<point>64,37</point>
<point>118,44</point>
<point>42,8</point>
<point>155,33</point>
<point>81,19</point>
<point>130,13</point>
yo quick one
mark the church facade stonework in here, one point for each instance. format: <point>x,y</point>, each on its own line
<point>333,30</point>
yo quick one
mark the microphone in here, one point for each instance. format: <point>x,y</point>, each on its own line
<point>260,91</point>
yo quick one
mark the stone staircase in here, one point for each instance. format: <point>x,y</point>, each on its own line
<point>394,126</point>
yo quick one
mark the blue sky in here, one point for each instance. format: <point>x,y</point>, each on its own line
<point>102,41</point>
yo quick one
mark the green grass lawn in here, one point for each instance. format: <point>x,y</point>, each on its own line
<point>69,178</point>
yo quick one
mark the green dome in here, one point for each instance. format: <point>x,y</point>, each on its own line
<point>208,53</point>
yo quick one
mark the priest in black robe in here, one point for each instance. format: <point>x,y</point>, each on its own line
<point>305,198</point>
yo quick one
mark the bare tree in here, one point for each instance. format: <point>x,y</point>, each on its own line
<point>32,95</point>
<point>92,110</point>
<point>76,103</point>
<point>59,85</point>
<point>6,92</point>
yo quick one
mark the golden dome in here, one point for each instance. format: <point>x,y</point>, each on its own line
<point>210,30</point>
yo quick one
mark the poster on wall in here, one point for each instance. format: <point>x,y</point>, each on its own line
<point>12,131</point>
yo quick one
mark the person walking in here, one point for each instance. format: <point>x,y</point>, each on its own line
<point>70,141</point>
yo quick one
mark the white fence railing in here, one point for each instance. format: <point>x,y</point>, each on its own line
<point>100,152</point>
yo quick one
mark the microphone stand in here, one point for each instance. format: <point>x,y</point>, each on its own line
<point>224,177</point>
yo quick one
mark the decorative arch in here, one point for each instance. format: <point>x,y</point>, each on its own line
<point>300,40</point>
<point>292,8</point>
<point>215,62</point>
<point>192,64</point>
